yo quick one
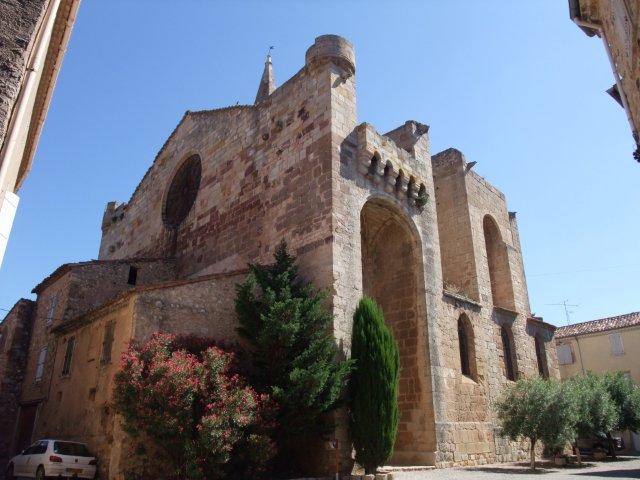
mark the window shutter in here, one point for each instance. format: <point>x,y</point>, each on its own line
<point>51,313</point>
<point>565,355</point>
<point>615,342</point>
<point>66,367</point>
<point>40,367</point>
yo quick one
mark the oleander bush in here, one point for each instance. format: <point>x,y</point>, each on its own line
<point>191,411</point>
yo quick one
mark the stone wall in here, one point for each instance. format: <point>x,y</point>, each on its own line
<point>479,235</point>
<point>204,307</point>
<point>14,344</point>
<point>18,24</point>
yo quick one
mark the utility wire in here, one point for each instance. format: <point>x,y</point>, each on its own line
<point>582,270</point>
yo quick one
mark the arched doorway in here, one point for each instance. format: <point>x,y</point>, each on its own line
<point>392,274</point>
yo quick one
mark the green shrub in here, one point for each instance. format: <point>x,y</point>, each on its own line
<point>596,411</point>
<point>374,387</point>
<point>291,351</point>
<point>626,399</point>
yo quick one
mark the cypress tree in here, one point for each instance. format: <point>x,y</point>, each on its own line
<point>290,350</point>
<point>374,387</point>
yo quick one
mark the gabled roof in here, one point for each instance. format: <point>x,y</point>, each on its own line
<point>90,315</point>
<point>187,114</point>
<point>601,325</point>
<point>65,267</point>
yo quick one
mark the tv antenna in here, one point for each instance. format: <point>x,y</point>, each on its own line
<point>567,312</point>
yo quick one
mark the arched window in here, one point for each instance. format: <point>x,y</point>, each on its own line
<point>541,357</point>
<point>467,347</point>
<point>375,164</point>
<point>182,192</point>
<point>498,265</point>
<point>507,351</point>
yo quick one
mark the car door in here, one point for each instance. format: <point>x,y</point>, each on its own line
<point>40,456</point>
<point>20,462</point>
<point>34,458</point>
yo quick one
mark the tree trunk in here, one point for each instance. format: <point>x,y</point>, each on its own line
<point>612,447</point>
<point>533,453</point>
<point>578,455</point>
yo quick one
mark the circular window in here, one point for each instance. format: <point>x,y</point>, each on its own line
<point>182,192</point>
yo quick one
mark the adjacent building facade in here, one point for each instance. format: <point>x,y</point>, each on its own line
<point>617,22</point>
<point>607,345</point>
<point>364,212</point>
<point>33,39</point>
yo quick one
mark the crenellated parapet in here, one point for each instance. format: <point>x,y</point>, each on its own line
<point>390,167</point>
<point>113,213</point>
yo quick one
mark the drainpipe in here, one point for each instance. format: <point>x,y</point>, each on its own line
<point>580,353</point>
<point>35,65</point>
<point>598,28</point>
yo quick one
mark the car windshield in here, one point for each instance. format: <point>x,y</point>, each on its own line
<point>70,448</point>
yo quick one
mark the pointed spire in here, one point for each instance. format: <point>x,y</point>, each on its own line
<point>267,82</point>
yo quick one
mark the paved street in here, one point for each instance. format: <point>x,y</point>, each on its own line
<point>625,467</point>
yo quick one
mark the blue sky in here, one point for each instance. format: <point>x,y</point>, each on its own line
<point>515,85</point>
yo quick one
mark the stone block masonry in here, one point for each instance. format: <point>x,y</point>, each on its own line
<point>366,214</point>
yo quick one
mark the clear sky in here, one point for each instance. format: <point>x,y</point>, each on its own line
<point>515,85</point>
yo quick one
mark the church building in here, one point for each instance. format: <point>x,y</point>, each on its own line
<point>366,213</point>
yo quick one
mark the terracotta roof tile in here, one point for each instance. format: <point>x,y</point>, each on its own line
<point>602,325</point>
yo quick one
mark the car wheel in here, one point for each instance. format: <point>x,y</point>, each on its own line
<point>10,475</point>
<point>40,473</point>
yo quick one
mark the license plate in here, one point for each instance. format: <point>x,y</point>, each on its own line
<point>74,470</point>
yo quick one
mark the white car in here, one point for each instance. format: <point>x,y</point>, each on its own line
<point>53,458</point>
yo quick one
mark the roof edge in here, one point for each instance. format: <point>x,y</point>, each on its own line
<point>96,312</point>
<point>65,267</point>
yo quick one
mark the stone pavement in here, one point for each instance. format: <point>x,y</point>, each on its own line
<point>624,467</point>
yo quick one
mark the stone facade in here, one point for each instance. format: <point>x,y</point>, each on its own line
<point>14,345</point>
<point>617,22</point>
<point>33,39</point>
<point>365,213</point>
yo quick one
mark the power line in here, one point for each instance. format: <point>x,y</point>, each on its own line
<point>582,270</point>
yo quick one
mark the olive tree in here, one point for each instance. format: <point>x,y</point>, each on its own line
<point>539,410</point>
<point>626,399</point>
<point>596,410</point>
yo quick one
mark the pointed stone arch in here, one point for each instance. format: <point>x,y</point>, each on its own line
<point>498,265</point>
<point>393,275</point>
